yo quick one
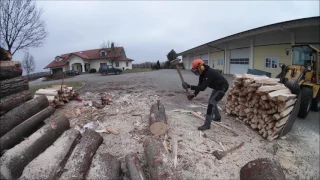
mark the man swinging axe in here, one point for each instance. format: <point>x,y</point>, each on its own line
<point>208,77</point>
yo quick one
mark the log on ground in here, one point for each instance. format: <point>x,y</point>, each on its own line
<point>19,114</point>
<point>104,166</point>
<point>10,69</point>
<point>158,161</point>
<point>57,154</point>
<point>16,159</point>
<point>13,86</point>
<point>80,160</point>
<point>262,169</point>
<point>134,167</point>
<point>10,102</point>
<point>158,119</point>
<point>25,129</point>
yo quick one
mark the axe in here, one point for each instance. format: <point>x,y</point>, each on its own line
<point>176,64</point>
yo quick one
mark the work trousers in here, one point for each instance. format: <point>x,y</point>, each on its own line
<point>215,97</point>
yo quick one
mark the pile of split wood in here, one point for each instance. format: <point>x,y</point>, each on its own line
<point>262,102</point>
<point>57,94</point>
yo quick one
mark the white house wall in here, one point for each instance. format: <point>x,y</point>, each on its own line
<point>95,64</point>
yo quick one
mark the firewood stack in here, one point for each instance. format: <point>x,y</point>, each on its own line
<point>262,102</point>
<point>57,95</point>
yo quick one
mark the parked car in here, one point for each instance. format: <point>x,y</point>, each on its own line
<point>109,69</point>
<point>71,73</point>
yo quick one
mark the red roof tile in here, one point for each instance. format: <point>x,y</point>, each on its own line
<point>118,54</point>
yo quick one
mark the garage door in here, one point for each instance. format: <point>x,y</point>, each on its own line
<point>239,61</point>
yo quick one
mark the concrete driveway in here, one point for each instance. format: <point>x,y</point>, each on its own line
<point>168,79</point>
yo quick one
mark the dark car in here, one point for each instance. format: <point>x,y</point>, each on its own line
<point>109,69</point>
<point>71,73</point>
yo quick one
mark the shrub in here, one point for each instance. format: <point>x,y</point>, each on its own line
<point>92,70</point>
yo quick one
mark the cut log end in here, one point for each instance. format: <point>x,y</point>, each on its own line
<point>159,128</point>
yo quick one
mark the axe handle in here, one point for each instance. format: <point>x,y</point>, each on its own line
<point>178,69</point>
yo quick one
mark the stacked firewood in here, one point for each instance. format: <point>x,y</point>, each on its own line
<point>262,102</point>
<point>57,95</point>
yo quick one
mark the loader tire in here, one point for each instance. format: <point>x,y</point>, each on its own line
<point>315,106</point>
<point>306,100</point>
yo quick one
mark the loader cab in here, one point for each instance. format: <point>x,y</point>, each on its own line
<point>308,57</point>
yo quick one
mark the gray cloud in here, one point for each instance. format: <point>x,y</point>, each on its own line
<point>149,30</point>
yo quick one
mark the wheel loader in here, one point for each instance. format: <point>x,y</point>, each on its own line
<point>303,77</point>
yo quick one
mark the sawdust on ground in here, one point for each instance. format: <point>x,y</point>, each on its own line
<point>128,114</point>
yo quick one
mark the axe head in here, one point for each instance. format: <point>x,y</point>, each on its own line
<point>175,62</point>
<point>218,154</point>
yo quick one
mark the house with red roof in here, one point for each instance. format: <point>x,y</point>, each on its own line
<point>83,61</point>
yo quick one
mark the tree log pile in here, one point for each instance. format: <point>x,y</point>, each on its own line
<point>261,102</point>
<point>57,94</point>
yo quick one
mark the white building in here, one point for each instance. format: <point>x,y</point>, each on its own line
<point>263,48</point>
<point>83,61</point>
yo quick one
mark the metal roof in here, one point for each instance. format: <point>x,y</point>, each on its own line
<point>310,21</point>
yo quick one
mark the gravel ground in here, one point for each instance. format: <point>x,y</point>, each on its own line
<point>132,96</point>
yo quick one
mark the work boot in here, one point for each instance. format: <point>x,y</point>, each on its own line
<point>204,127</point>
<point>207,123</point>
<point>216,113</point>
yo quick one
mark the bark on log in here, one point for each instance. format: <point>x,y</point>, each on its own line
<point>134,168</point>
<point>80,160</point>
<point>158,119</point>
<point>10,69</point>
<point>104,166</point>
<point>57,154</point>
<point>10,102</point>
<point>262,169</point>
<point>13,86</point>
<point>16,159</point>
<point>25,129</point>
<point>19,114</point>
<point>158,161</point>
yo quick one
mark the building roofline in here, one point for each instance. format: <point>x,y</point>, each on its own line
<point>263,29</point>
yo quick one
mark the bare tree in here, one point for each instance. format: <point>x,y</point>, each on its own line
<point>109,43</point>
<point>28,63</point>
<point>21,25</point>
<point>104,45</point>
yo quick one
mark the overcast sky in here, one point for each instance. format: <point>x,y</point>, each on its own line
<point>149,30</point>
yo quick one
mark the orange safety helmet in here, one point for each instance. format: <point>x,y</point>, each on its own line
<point>196,63</point>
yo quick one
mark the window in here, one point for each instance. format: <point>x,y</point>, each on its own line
<point>58,59</point>
<point>220,61</point>
<point>103,64</point>
<point>109,66</point>
<point>117,64</point>
<point>127,64</point>
<point>103,53</point>
<point>239,61</point>
<point>271,62</point>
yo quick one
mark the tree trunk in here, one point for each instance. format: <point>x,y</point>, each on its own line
<point>10,69</point>
<point>25,129</point>
<point>16,159</point>
<point>104,166</point>
<point>158,119</point>
<point>134,168</point>
<point>158,161</point>
<point>19,114</point>
<point>13,86</point>
<point>10,102</point>
<point>262,168</point>
<point>57,154</point>
<point>80,160</point>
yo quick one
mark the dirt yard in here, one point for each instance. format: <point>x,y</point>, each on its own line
<point>128,114</point>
